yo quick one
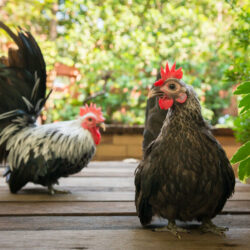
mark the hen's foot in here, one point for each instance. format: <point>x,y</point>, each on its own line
<point>209,227</point>
<point>53,191</point>
<point>172,228</point>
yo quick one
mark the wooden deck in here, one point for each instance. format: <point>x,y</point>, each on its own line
<point>100,214</point>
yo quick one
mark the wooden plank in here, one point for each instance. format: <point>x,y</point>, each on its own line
<point>81,186</point>
<point>113,164</point>
<point>38,189</point>
<point>105,222</point>
<point>106,172</point>
<point>100,172</point>
<point>89,182</point>
<point>108,182</point>
<point>66,208</point>
<point>70,208</point>
<point>81,194</point>
<point>242,188</point>
<point>237,207</point>
<point>138,239</point>
<point>133,163</point>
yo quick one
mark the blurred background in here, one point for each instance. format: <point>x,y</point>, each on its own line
<point>109,52</point>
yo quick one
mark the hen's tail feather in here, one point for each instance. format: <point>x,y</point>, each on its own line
<point>145,212</point>
<point>143,208</point>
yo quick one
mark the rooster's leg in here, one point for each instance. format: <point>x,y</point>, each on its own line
<point>209,226</point>
<point>172,228</point>
<point>53,190</point>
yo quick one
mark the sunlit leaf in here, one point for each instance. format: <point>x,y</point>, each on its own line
<point>242,153</point>
<point>243,88</point>
<point>244,170</point>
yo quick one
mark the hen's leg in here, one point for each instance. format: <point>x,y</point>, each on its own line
<point>53,190</point>
<point>172,228</point>
<point>208,226</point>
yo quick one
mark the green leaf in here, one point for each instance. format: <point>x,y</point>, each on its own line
<point>244,170</point>
<point>244,110</point>
<point>242,153</point>
<point>243,88</point>
<point>245,102</point>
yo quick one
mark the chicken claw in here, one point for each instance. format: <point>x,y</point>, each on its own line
<point>172,228</point>
<point>209,227</point>
<point>53,190</point>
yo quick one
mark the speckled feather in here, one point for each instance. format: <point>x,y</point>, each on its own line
<point>43,154</point>
<point>185,173</point>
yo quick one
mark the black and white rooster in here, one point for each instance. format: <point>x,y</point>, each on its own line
<point>38,153</point>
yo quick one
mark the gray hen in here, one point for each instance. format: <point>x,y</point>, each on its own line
<point>185,174</point>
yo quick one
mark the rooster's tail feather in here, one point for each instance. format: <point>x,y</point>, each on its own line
<point>22,82</point>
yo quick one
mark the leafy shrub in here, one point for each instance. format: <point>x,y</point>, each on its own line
<point>123,43</point>
<point>243,154</point>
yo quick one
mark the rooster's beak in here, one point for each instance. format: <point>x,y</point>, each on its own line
<point>103,126</point>
<point>155,92</point>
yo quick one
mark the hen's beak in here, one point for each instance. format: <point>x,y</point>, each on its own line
<point>103,126</point>
<point>155,92</point>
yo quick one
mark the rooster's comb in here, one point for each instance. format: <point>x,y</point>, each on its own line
<point>92,109</point>
<point>172,73</point>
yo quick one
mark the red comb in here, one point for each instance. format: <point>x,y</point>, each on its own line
<point>92,109</point>
<point>172,73</point>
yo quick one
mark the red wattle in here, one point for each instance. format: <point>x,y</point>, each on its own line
<point>165,103</point>
<point>95,134</point>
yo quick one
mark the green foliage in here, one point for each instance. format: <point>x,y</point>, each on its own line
<point>118,46</point>
<point>239,72</point>
<point>240,68</point>
<point>244,170</point>
<point>242,127</point>
<point>243,157</point>
<point>243,88</point>
<point>243,154</point>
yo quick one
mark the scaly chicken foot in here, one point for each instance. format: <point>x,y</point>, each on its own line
<point>172,228</point>
<point>209,227</point>
<point>53,190</point>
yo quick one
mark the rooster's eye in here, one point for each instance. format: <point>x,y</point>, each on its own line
<point>90,119</point>
<point>172,86</point>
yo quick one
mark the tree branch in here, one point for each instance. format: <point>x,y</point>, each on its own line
<point>106,77</point>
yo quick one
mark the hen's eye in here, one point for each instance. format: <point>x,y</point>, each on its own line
<point>90,119</point>
<point>172,86</point>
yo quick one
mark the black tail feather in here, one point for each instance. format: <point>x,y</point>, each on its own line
<point>145,212</point>
<point>22,82</point>
<point>7,173</point>
<point>25,72</point>
<point>17,179</point>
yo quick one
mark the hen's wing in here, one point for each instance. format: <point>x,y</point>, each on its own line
<point>227,173</point>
